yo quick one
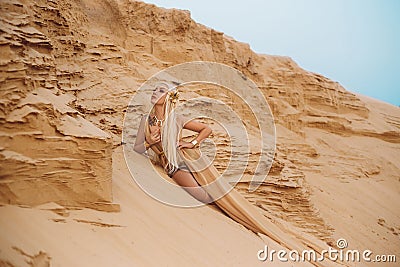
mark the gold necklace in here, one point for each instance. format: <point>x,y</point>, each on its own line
<point>156,121</point>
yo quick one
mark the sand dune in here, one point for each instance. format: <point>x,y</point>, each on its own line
<point>68,72</point>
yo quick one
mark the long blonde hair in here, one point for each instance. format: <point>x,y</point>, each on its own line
<point>170,128</point>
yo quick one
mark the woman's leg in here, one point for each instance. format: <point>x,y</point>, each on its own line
<point>186,179</point>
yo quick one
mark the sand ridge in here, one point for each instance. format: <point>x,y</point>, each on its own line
<point>68,71</point>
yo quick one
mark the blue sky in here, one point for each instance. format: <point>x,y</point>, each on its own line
<point>353,42</point>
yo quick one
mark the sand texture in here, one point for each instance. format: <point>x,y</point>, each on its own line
<point>68,70</point>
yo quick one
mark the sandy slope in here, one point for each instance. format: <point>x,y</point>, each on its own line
<point>68,71</point>
<point>362,210</point>
<point>144,233</point>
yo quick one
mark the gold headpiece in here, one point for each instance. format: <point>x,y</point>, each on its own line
<point>173,96</point>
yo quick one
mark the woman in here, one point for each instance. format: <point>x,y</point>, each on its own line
<point>164,142</point>
<point>159,131</point>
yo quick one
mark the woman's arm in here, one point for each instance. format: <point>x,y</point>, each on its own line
<point>141,142</point>
<point>140,137</point>
<point>203,130</point>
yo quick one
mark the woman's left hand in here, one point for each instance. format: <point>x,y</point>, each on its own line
<point>183,144</point>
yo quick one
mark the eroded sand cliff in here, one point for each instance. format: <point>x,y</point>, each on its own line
<point>68,72</point>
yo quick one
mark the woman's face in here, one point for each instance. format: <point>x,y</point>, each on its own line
<point>159,95</point>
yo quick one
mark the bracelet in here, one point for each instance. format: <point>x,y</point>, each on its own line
<point>194,142</point>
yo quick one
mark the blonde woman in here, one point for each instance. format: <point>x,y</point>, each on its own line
<point>159,131</point>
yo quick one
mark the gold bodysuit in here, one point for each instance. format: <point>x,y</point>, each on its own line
<point>161,159</point>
